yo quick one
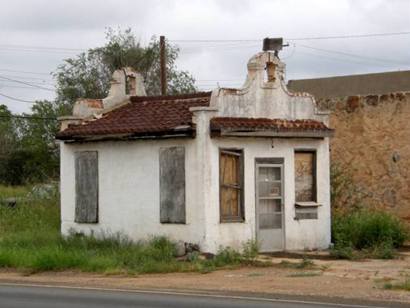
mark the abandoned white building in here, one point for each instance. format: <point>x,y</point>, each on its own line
<point>216,168</point>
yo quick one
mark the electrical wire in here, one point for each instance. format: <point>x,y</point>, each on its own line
<point>24,72</point>
<point>28,77</point>
<point>17,99</point>
<point>352,55</point>
<point>28,117</point>
<point>344,60</point>
<point>331,37</point>
<point>349,36</point>
<point>26,83</point>
<point>18,87</point>
<point>41,47</point>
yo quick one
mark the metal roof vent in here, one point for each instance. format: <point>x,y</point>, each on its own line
<point>273,44</point>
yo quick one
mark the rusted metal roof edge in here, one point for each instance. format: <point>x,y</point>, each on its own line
<point>189,133</point>
<point>271,133</point>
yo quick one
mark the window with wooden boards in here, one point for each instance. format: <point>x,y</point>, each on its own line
<point>86,187</point>
<point>305,184</point>
<point>172,185</point>
<point>231,185</point>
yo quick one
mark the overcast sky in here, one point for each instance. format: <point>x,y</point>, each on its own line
<point>35,37</point>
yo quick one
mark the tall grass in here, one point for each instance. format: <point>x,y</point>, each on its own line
<point>367,233</point>
<point>30,240</point>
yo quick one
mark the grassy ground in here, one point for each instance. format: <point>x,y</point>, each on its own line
<point>30,241</point>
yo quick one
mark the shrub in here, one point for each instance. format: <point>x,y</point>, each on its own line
<point>374,233</point>
<point>250,250</point>
<point>226,256</point>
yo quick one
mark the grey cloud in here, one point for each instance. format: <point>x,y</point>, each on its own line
<point>45,15</point>
<point>81,24</point>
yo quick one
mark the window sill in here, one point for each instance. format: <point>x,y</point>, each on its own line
<point>232,220</point>
<point>307,204</point>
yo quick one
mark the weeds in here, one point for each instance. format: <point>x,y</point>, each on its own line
<point>250,251</point>
<point>30,241</point>
<point>303,264</point>
<point>367,234</point>
<point>305,274</point>
<point>404,285</point>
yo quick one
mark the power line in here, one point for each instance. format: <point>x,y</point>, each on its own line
<point>347,36</point>
<point>352,55</point>
<point>65,53</point>
<point>31,82</point>
<point>344,60</point>
<point>41,47</point>
<point>43,79</point>
<point>17,99</point>
<point>17,87</point>
<point>26,83</point>
<point>24,72</point>
<point>28,117</point>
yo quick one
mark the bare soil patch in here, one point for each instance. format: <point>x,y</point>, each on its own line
<point>333,278</point>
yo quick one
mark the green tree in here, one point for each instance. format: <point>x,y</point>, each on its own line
<point>88,75</point>
<point>28,152</point>
<point>38,138</point>
<point>8,138</point>
<point>7,130</point>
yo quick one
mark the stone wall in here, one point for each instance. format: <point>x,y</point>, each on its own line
<point>372,144</point>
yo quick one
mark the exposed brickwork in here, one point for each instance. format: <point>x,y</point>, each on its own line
<point>94,103</point>
<point>372,141</point>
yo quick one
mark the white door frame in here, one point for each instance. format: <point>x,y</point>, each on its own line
<point>277,165</point>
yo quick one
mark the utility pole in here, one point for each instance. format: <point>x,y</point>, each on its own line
<point>163,68</point>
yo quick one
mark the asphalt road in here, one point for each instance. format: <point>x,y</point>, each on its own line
<point>45,297</point>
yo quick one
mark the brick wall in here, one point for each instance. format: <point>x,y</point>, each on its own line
<point>372,143</point>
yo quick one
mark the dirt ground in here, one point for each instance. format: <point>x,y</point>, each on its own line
<point>330,278</point>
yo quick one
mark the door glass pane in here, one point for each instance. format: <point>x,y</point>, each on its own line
<point>269,206</point>
<point>270,189</point>
<point>270,221</point>
<point>269,174</point>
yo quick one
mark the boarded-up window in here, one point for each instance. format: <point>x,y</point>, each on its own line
<point>305,176</point>
<point>231,185</point>
<point>172,184</point>
<point>86,187</point>
<point>305,185</point>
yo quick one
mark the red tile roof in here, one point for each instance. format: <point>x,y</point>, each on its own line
<point>219,124</point>
<point>143,116</point>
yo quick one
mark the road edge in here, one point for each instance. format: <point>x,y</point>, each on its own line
<point>255,296</point>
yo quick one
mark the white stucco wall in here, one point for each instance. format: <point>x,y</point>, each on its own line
<point>129,190</point>
<point>299,234</point>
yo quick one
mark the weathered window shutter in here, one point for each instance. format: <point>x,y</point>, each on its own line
<point>231,185</point>
<point>305,185</point>
<point>86,187</point>
<point>172,184</point>
<point>305,176</point>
